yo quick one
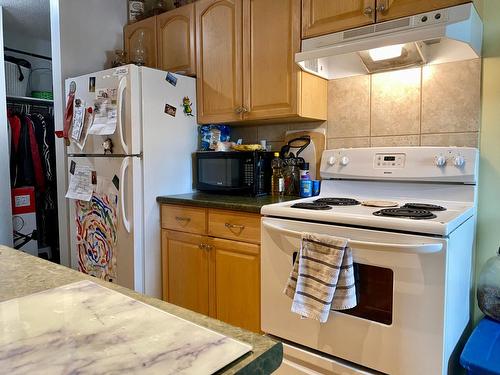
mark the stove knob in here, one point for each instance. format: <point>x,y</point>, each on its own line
<point>459,161</point>
<point>331,160</point>
<point>344,160</point>
<point>440,161</point>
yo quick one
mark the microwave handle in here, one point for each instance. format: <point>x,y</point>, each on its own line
<point>421,248</point>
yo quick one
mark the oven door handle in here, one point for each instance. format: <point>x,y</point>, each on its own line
<point>419,248</point>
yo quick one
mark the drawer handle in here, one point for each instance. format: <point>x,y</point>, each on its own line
<point>180,218</point>
<point>234,226</point>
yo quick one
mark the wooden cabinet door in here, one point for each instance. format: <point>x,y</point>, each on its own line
<point>328,16</point>
<point>271,33</point>
<point>176,40</point>
<point>185,270</point>
<point>131,34</point>
<point>219,60</point>
<point>236,282</point>
<point>390,9</point>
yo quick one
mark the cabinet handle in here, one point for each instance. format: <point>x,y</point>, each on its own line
<point>382,8</point>
<point>244,109</point>
<point>234,226</point>
<point>180,218</point>
<point>204,246</point>
<point>368,11</point>
<point>238,110</point>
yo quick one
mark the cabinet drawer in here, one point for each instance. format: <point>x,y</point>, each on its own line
<point>234,225</point>
<point>183,218</point>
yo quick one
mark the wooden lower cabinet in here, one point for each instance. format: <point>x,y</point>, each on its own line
<point>215,276</point>
<point>185,270</point>
<point>236,280</point>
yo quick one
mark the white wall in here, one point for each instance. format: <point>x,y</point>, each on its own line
<point>84,35</point>
<point>5,200</point>
<point>41,76</point>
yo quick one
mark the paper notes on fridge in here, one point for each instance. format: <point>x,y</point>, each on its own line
<point>80,183</point>
<point>78,122</point>
<point>105,112</point>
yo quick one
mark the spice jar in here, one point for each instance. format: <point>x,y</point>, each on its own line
<point>488,288</point>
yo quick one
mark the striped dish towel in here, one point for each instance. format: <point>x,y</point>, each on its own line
<point>322,278</point>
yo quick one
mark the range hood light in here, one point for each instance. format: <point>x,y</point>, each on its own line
<point>386,53</point>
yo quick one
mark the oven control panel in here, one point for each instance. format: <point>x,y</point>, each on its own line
<point>389,161</point>
<point>426,164</point>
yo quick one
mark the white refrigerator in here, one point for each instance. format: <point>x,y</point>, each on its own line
<point>116,235</point>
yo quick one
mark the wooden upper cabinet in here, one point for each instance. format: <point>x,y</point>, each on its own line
<point>271,38</point>
<point>321,17</point>
<point>390,9</point>
<point>219,60</point>
<point>147,30</point>
<point>176,40</point>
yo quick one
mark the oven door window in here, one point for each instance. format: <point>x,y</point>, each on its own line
<point>374,290</point>
<point>374,293</point>
<point>220,172</point>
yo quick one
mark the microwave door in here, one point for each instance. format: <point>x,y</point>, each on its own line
<point>220,174</point>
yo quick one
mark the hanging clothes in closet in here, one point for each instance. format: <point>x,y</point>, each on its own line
<point>32,163</point>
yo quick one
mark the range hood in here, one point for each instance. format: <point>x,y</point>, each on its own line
<point>439,36</point>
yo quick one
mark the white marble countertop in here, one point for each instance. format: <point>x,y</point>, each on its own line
<point>22,275</point>
<point>84,328</point>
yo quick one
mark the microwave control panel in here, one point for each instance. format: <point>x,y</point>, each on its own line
<point>248,172</point>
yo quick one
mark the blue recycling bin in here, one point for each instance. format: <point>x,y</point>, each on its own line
<point>481,355</point>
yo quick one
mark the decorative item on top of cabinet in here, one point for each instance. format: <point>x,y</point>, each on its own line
<point>320,17</point>
<point>327,16</point>
<point>145,30</point>
<point>245,63</point>
<point>176,40</point>
<point>391,9</point>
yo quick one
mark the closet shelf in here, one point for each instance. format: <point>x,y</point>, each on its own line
<point>28,99</point>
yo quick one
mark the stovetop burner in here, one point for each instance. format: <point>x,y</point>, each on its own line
<point>424,206</point>
<point>338,201</point>
<point>407,213</point>
<point>312,206</point>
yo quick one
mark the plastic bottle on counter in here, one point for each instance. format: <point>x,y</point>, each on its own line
<point>304,171</point>
<point>277,179</point>
<point>306,185</point>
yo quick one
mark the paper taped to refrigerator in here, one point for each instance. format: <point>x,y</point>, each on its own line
<point>80,184</point>
<point>97,231</point>
<point>78,123</point>
<point>105,113</point>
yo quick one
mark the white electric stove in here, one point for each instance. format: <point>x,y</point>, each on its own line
<point>409,214</point>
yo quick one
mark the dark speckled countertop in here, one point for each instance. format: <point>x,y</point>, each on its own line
<point>226,202</point>
<point>22,274</point>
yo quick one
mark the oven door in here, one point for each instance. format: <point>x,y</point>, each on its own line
<point>400,282</point>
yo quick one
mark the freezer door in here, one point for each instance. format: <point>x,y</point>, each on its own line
<point>126,138</point>
<point>105,233</point>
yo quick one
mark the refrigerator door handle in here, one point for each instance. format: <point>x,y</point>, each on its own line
<point>122,86</point>
<point>123,171</point>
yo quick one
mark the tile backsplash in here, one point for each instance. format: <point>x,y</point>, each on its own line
<point>436,105</point>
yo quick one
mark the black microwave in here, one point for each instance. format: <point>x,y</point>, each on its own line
<point>234,172</point>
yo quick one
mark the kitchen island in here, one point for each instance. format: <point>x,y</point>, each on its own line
<point>22,275</point>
